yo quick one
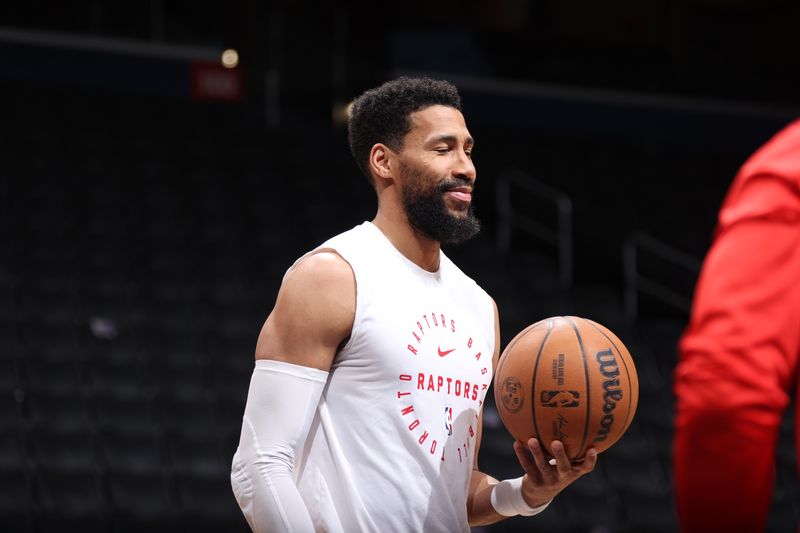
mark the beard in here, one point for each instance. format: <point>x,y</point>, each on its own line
<point>427,212</point>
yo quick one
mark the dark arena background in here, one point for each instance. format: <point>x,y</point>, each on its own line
<point>163,163</point>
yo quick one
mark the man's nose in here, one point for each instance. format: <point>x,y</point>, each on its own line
<point>465,169</point>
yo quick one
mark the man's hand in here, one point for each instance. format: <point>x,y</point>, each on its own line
<point>543,481</point>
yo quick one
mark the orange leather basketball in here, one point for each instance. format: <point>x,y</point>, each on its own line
<point>570,379</point>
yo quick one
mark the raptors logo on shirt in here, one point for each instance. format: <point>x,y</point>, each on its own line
<point>444,364</point>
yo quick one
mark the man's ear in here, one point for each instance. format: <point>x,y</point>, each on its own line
<point>381,161</point>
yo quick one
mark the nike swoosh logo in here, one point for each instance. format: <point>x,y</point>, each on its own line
<point>442,354</point>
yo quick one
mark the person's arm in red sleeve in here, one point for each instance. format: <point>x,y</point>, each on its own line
<point>739,360</point>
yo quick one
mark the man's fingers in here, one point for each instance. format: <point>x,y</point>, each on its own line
<point>588,463</point>
<point>538,456</point>
<point>563,464</point>
<point>540,468</point>
<point>524,457</point>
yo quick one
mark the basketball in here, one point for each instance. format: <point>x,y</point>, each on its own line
<point>568,379</point>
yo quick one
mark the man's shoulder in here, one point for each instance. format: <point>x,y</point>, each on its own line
<point>322,281</point>
<point>322,262</point>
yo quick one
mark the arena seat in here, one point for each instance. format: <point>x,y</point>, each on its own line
<point>65,450</point>
<point>135,454</point>
<point>139,501</point>
<point>128,415</point>
<point>56,411</point>
<point>70,499</point>
<point>16,500</point>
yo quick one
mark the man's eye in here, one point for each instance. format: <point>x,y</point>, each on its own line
<point>443,150</point>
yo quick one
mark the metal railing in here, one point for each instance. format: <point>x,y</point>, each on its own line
<point>636,282</point>
<point>509,219</point>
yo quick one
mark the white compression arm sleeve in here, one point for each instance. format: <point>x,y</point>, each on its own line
<point>281,404</point>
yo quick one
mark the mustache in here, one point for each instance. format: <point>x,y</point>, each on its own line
<point>448,184</point>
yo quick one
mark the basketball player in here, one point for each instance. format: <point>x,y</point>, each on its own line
<point>364,409</point>
<point>740,355</point>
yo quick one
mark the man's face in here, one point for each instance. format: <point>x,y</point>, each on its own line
<point>437,176</point>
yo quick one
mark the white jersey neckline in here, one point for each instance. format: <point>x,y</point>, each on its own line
<point>434,276</point>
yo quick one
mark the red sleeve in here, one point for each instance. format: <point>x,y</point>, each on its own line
<point>739,358</point>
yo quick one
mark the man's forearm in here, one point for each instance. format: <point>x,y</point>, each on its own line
<point>480,511</point>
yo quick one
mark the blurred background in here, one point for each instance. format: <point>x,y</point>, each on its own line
<point>163,163</point>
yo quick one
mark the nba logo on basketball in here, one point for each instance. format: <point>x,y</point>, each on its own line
<point>560,398</point>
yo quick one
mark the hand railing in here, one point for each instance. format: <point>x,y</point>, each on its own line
<point>558,234</point>
<point>637,282</point>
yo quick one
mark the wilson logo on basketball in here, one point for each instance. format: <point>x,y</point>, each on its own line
<point>560,398</point>
<point>611,391</point>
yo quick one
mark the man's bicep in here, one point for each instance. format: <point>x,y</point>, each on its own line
<point>313,313</point>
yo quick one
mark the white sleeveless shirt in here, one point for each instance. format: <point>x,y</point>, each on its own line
<point>391,447</point>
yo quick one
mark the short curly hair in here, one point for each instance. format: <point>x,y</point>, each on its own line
<point>383,114</point>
